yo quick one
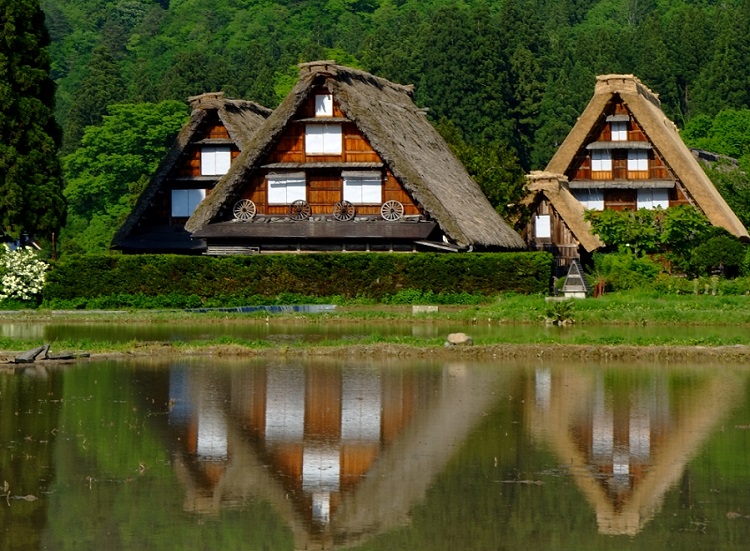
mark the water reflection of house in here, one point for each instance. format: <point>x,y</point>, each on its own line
<point>626,442</point>
<point>341,454</point>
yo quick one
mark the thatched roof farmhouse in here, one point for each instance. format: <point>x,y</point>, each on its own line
<point>218,129</point>
<point>347,162</point>
<point>622,154</point>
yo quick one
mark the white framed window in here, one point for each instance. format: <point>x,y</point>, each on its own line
<point>637,160</point>
<point>619,131</point>
<point>215,160</point>
<point>285,188</point>
<point>185,201</point>
<point>542,226</point>
<point>652,198</point>
<point>363,188</point>
<point>323,105</point>
<point>323,139</point>
<point>601,160</point>
<point>591,199</point>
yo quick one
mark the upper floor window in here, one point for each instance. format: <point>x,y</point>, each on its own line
<point>285,188</point>
<point>363,188</point>
<point>185,201</point>
<point>323,139</point>
<point>215,160</point>
<point>323,105</point>
<point>542,226</point>
<point>637,160</point>
<point>619,131</point>
<point>601,160</point>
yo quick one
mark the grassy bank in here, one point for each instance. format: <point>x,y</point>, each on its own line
<point>708,317</point>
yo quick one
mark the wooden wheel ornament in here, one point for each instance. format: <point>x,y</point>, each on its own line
<point>343,211</point>
<point>244,210</point>
<point>300,210</point>
<point>392,211</point>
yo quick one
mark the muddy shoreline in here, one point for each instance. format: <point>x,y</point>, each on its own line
<point>734,355</point>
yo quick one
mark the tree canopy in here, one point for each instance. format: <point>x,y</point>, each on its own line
<point>31,185</point>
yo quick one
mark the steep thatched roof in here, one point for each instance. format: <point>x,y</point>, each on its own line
<point>241,118</point>
<point>661,132</point>
<point>403,137</point>
<point>555,188</point>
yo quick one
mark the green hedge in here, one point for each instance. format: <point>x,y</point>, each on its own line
<point>351,275</point>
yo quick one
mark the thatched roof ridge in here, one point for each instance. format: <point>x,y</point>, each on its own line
<point>555,188</point>
<point>662,133</point>
<point>241,118</point>
<point>403,137</point>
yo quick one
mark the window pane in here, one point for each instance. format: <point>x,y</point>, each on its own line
<point>601,160</point>
<point>619,131</point>
<point>637,160</point>
<point>185,201</point>
<point>284,190</point>
<point>323,139</point>
<point>324,105</point>
<point>215,160</point>
<point>542,226</point>
<point>363,188</point>
<point>653,198</point>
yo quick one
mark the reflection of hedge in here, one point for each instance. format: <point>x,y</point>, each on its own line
<point>367,274</point>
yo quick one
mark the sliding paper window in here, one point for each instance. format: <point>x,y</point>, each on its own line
<point>185,201</point>
<point>363,188</point>
<point>323,139</point>
<point>284,189</point>
<point>215,160</point>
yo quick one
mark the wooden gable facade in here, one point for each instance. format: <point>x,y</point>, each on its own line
<point>348,163</point>
<point>622,154</point>
<point>202,153</point>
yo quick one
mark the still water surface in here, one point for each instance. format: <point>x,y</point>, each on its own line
<point>341,454</point>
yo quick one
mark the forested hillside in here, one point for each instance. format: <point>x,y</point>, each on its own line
<point>503,79</point>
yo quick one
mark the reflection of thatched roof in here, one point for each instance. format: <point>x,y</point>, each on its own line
<point>555,188</point>
<point>241,118</point>
<point>661,132</point>
<point>403,137</point>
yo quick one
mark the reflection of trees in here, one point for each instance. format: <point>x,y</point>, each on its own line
<point>30,408</point>
<point>627,436</point>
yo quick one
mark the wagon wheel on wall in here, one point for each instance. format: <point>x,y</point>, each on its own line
<point>392,211</point>
<point>244,210</point>
<point>343,211</point>
<point>300,210</point>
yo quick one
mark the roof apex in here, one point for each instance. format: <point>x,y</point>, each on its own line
<point>629,84</point>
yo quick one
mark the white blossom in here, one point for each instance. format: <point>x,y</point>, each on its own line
<point>22,273</point>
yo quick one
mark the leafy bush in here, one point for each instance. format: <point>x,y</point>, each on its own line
<point>625,270</point>
<point>22,273</point>
<point>721,252</point>
<point>183,281</point>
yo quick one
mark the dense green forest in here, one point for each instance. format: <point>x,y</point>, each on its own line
<point>504,80</point>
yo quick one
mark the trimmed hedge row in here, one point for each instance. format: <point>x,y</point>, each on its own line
<point>371,275</point>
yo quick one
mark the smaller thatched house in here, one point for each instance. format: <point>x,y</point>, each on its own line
<point>218,130</point>
<point>622,154</point>
<point>347,162</point>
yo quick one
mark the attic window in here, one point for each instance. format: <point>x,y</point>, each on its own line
<point>323,139</point>
<point>542,227</point>
<point>363,188</point>
<point>638,161</point>
<point>323,105</point>
<point>215,160</point>
<point>185,201</point>
<point>619,131</point>
<point>286,187</point>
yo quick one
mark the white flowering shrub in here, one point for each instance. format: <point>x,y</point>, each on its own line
<point>22,273</point>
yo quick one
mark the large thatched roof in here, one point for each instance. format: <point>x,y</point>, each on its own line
<point>555,188</point>
<point>663,135</point>
<point>403,137</point>
<point>241,118</point>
